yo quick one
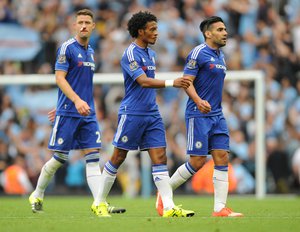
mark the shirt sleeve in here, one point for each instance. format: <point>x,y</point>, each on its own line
<point>62,59</point>
<point>131,64</point>
<point>192,64</point>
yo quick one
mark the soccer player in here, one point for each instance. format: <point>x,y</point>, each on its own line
<point>75,125</point>
<point>207,131</point>
<point>140,125</point>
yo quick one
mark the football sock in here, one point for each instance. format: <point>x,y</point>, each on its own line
<point>162,181</point>
<point>182,174</point>
<point>220,180</point>
<point>107,180</point>
<point>93,172</point>
<point>47,172</point>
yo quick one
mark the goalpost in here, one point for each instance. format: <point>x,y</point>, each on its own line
<point>117,78</point>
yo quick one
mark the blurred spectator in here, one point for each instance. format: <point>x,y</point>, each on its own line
<point>75,176</point>
<point>14,178</point>
<point>277,162</point>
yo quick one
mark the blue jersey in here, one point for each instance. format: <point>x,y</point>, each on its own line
<point>79,65</point>
<point>137,100</point>
<point>208,67</point>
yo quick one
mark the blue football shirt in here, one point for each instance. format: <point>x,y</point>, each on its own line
<point>78,63</point>
<point>208,67</point>
<point>137,100</point>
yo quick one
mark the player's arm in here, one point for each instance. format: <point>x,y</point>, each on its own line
<point>81,106</point>
<point>201,104</point>
<point>146,82</point>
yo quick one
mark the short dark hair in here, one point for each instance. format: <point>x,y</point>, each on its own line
<point>138,21</point>
<point>205,24</point>
<point>85,12</point>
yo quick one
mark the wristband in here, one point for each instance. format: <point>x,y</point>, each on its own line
<point>169,83</point>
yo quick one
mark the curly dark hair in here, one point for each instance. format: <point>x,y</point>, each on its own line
<point>138,21</point>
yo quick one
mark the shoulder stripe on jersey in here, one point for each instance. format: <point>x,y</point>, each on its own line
<point>130,53</point>
<point>65,45</point>
<point>197,50</point>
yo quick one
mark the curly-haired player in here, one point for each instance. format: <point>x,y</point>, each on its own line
<point>140,125</point>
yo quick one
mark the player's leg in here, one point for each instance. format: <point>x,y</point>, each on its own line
<point>187,170</point>
<point>154,142</point>
<point>92,170</point>
<point>88,140</point>
<point>197,148</point>
<point>60,141</point>
<point>220,181</point>
<point>46,175</point>
<point>126,138</point>
<point>161,176</point>
<point>161,179</point>
<point>107,180</point>
<point>219,146</point>
<point>180,176</point>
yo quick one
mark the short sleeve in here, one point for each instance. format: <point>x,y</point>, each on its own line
<point>62,59</point>
<point>192,64</point>
<point>131,64</point>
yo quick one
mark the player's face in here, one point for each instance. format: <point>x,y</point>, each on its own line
<point>218,34</point>
<point>84,26</point>
<point>150,33</point>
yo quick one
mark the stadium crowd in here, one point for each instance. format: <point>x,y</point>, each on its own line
<point>263,35</point>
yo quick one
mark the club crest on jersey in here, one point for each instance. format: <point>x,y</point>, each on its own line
<point>191,64</point>
<point>198,145</point>
<point>124,139</point>
<point>61,59</point>
<point>133,65</point>
<point>60,141</point>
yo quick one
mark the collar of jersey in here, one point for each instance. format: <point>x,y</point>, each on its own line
<point>212,49</point>
<point>139,47</point>
<point>215,51</point>
<point>82,46</point>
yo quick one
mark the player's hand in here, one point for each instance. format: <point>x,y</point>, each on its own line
<point>51,115</point>
<point>204,106</point>
<point>182,82</point>
<point>82,107</point>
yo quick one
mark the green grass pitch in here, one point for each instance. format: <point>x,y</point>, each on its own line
<point>73,214</point>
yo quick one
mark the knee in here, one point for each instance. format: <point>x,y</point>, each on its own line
<point>51,166</point>
<point>118,158</point>
<point>160,158</point>
<point>221,158</point>
<point>197,162</point>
